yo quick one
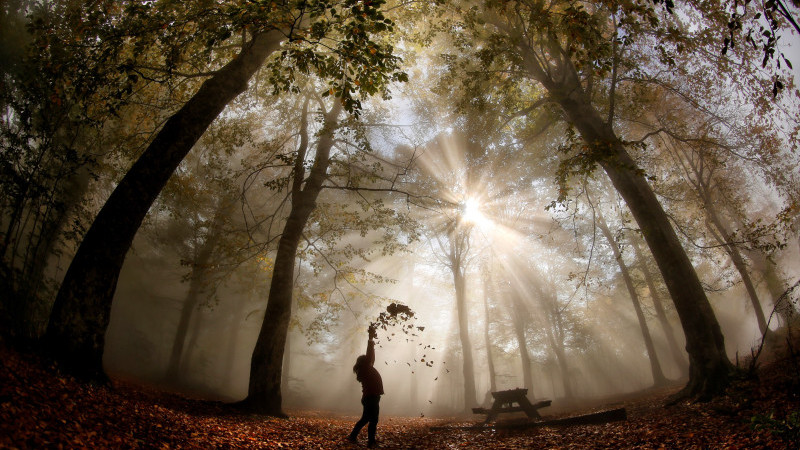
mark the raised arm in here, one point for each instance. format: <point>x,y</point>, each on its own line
<point>371,352</point>
<point>371,345</point>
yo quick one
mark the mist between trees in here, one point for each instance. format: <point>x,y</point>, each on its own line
<point>582,199</point>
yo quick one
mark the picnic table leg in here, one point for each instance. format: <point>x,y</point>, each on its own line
<point>530,411</point>
<point>494,411</point>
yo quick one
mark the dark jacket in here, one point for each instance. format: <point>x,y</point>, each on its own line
<point>371,382</point>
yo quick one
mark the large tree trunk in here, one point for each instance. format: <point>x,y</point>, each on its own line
<point>710,368</point>
<point>661,314</point>
<point>264,394</point>
<point>80,315</point>
<point>655,366</point>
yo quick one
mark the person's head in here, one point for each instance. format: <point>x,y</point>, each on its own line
<point>361,362</point>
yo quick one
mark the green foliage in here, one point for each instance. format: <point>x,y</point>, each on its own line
<point>340,46</point>
<point>787,428</point>
<point>98,76</point>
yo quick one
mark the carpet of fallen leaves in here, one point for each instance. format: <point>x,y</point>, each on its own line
<point>42,408</point>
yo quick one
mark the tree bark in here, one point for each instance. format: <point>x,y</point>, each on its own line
<point>80,315</point>
<point>557,344</point>
<point>264,393</point>
<point>709,366</point>
<point>655,366</point>
<point>190,304</point>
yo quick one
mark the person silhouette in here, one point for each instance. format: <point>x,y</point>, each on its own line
<point>371,389</point>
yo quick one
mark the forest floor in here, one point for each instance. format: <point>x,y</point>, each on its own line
<point>42,408</point>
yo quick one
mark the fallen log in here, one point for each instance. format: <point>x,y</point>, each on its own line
<point>611,415</point>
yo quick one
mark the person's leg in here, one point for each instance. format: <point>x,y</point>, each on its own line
<point>374,411</point>
<point>360,424</point>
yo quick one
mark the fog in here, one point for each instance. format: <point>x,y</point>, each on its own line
<point>532,254</point>
<point>464,174</point>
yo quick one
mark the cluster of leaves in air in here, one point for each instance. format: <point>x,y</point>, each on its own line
<point>396,314</point>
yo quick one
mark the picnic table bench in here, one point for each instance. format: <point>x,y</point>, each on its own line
<point>503,403</point>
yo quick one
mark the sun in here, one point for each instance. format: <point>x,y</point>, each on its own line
<point>471,211</point>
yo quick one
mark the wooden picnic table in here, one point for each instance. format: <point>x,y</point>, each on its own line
<point>504,403</point>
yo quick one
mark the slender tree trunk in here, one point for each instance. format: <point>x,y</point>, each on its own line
<point>775,284</point>
<point>675,349</point>
<point>234,329</point>
<point>554,328</point>
<point>703,181</point>
<point>487,292</point>
<point>190,304</point>
<point>200,271</point>
<point>558,348</point>
<point>466,344</point>
<point>264,394</point>
<point>724,238</point>
<point>655,366</point>
<point>78,322</point>
<point>34,286</point>
<point>520,319</point>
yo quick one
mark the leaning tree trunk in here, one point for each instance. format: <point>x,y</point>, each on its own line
<point>710,368</point>
<point>655,366</point>
<point>80,315</point>
<point>264,393</point>
<point>661,314</point>
<point>724,238</point>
